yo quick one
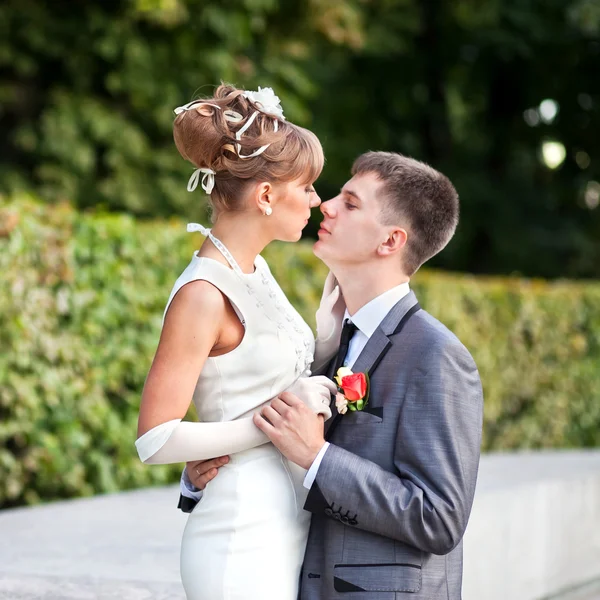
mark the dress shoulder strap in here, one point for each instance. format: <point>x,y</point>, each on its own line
<point>217,243</point>
<point>219,275</point>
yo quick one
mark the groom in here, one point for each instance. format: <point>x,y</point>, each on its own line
<point>390,486</point>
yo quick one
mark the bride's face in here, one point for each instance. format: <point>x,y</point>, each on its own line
<point>292,211</point>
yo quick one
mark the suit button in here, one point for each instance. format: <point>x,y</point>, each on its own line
<point>345,520</point>
<point>328,512</point>
<point>352,522</point>
<point>337,516</point>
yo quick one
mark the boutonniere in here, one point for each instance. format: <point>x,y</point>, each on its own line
<point>353,390</point>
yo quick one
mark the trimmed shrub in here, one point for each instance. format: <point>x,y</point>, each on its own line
<point>81,304</point>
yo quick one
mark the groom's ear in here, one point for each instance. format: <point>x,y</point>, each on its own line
<point>396,240</point>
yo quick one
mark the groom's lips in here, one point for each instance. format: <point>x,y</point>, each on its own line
<point>324,229</point>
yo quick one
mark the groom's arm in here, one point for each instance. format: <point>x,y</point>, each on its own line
<point>194,478</point>
<point>426,501</point>
<point>189,494</point>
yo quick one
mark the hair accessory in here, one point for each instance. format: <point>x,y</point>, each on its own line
<point>268,103</point>
<point>208,180</point>
<point>268,211</point>
<point>238,136</point>
<point>232,116</point>
<point>191,105</point>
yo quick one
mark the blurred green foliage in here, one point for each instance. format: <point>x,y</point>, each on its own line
<point>80,315</point>
<point>87,91</point>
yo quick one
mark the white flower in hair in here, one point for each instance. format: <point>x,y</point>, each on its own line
<point>267,101</point>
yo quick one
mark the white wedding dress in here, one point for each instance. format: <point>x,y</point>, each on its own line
<point>245,539</point>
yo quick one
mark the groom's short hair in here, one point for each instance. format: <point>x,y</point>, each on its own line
<point>416,197</point>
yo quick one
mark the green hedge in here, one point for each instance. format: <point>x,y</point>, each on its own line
<point>80,310</point>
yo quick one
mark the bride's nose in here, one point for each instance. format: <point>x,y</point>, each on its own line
<point>315,200</point>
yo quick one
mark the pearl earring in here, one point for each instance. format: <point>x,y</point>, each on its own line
<point>268,211</point>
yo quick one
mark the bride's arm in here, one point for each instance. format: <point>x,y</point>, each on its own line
<point>182,441</point>
<point>191,329</point>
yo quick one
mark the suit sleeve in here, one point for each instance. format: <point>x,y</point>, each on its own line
<point>427,499</point>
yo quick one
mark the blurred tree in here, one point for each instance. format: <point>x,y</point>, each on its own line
<point>462,85</point>
<point>88,90</point>
<point>491,92</point>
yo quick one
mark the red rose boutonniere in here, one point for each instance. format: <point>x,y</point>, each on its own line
<point>353,390</point>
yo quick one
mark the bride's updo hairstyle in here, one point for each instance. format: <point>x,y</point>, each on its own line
<point>205,134</point>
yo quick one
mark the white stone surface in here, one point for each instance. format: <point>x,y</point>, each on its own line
<point>534,532</point>
<point>535,526</point>
<point>123,546</point>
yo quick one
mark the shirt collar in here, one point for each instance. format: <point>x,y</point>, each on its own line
<point>369,317</point>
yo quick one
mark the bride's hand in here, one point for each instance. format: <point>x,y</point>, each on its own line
<point>329,318</point>
<point>315,392</point>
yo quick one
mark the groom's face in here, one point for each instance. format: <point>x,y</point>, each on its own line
<point>351,230</point>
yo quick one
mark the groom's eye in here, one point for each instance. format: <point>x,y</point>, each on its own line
<point>350,206</point>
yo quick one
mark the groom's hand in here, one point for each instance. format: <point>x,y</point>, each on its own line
<point>200,472</point>
<point>293,428</point>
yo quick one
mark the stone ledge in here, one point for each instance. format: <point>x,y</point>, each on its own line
<point>58,588</point>
<point>534,530</point>
<point>534,533</point>
<point>122,546</point>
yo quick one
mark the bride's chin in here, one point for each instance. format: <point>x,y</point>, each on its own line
<point>293,237</point>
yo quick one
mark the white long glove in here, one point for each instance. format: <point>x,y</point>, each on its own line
<point>181,441</point>
<point>329,318</point>
<point>315,392</point>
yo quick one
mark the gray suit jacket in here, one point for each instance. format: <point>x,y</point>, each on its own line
<point>393,494</point>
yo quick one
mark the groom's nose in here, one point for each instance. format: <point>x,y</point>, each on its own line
<point>327,208</point>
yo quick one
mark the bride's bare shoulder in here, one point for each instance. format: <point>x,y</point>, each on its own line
<point>198,300</point>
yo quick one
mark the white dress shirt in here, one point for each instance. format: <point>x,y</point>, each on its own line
<point>367,319</point>
<point>187,488</point>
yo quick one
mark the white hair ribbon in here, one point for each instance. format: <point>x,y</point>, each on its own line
<point>238,136</point>
<point>233,116</point>
<point>191,105</point>
<point>208,180</point>
<point>269,104</point>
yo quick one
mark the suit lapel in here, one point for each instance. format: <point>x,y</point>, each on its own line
<point>329,372</point>
<point>379,343</point>
<point>375,349</point>
<point>334,411</point>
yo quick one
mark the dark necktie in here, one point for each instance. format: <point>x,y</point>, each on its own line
<point>347,331</point>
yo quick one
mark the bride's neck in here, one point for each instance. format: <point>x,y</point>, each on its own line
<point>242,236</point>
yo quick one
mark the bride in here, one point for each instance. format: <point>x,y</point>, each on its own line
<point>231,341</point>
